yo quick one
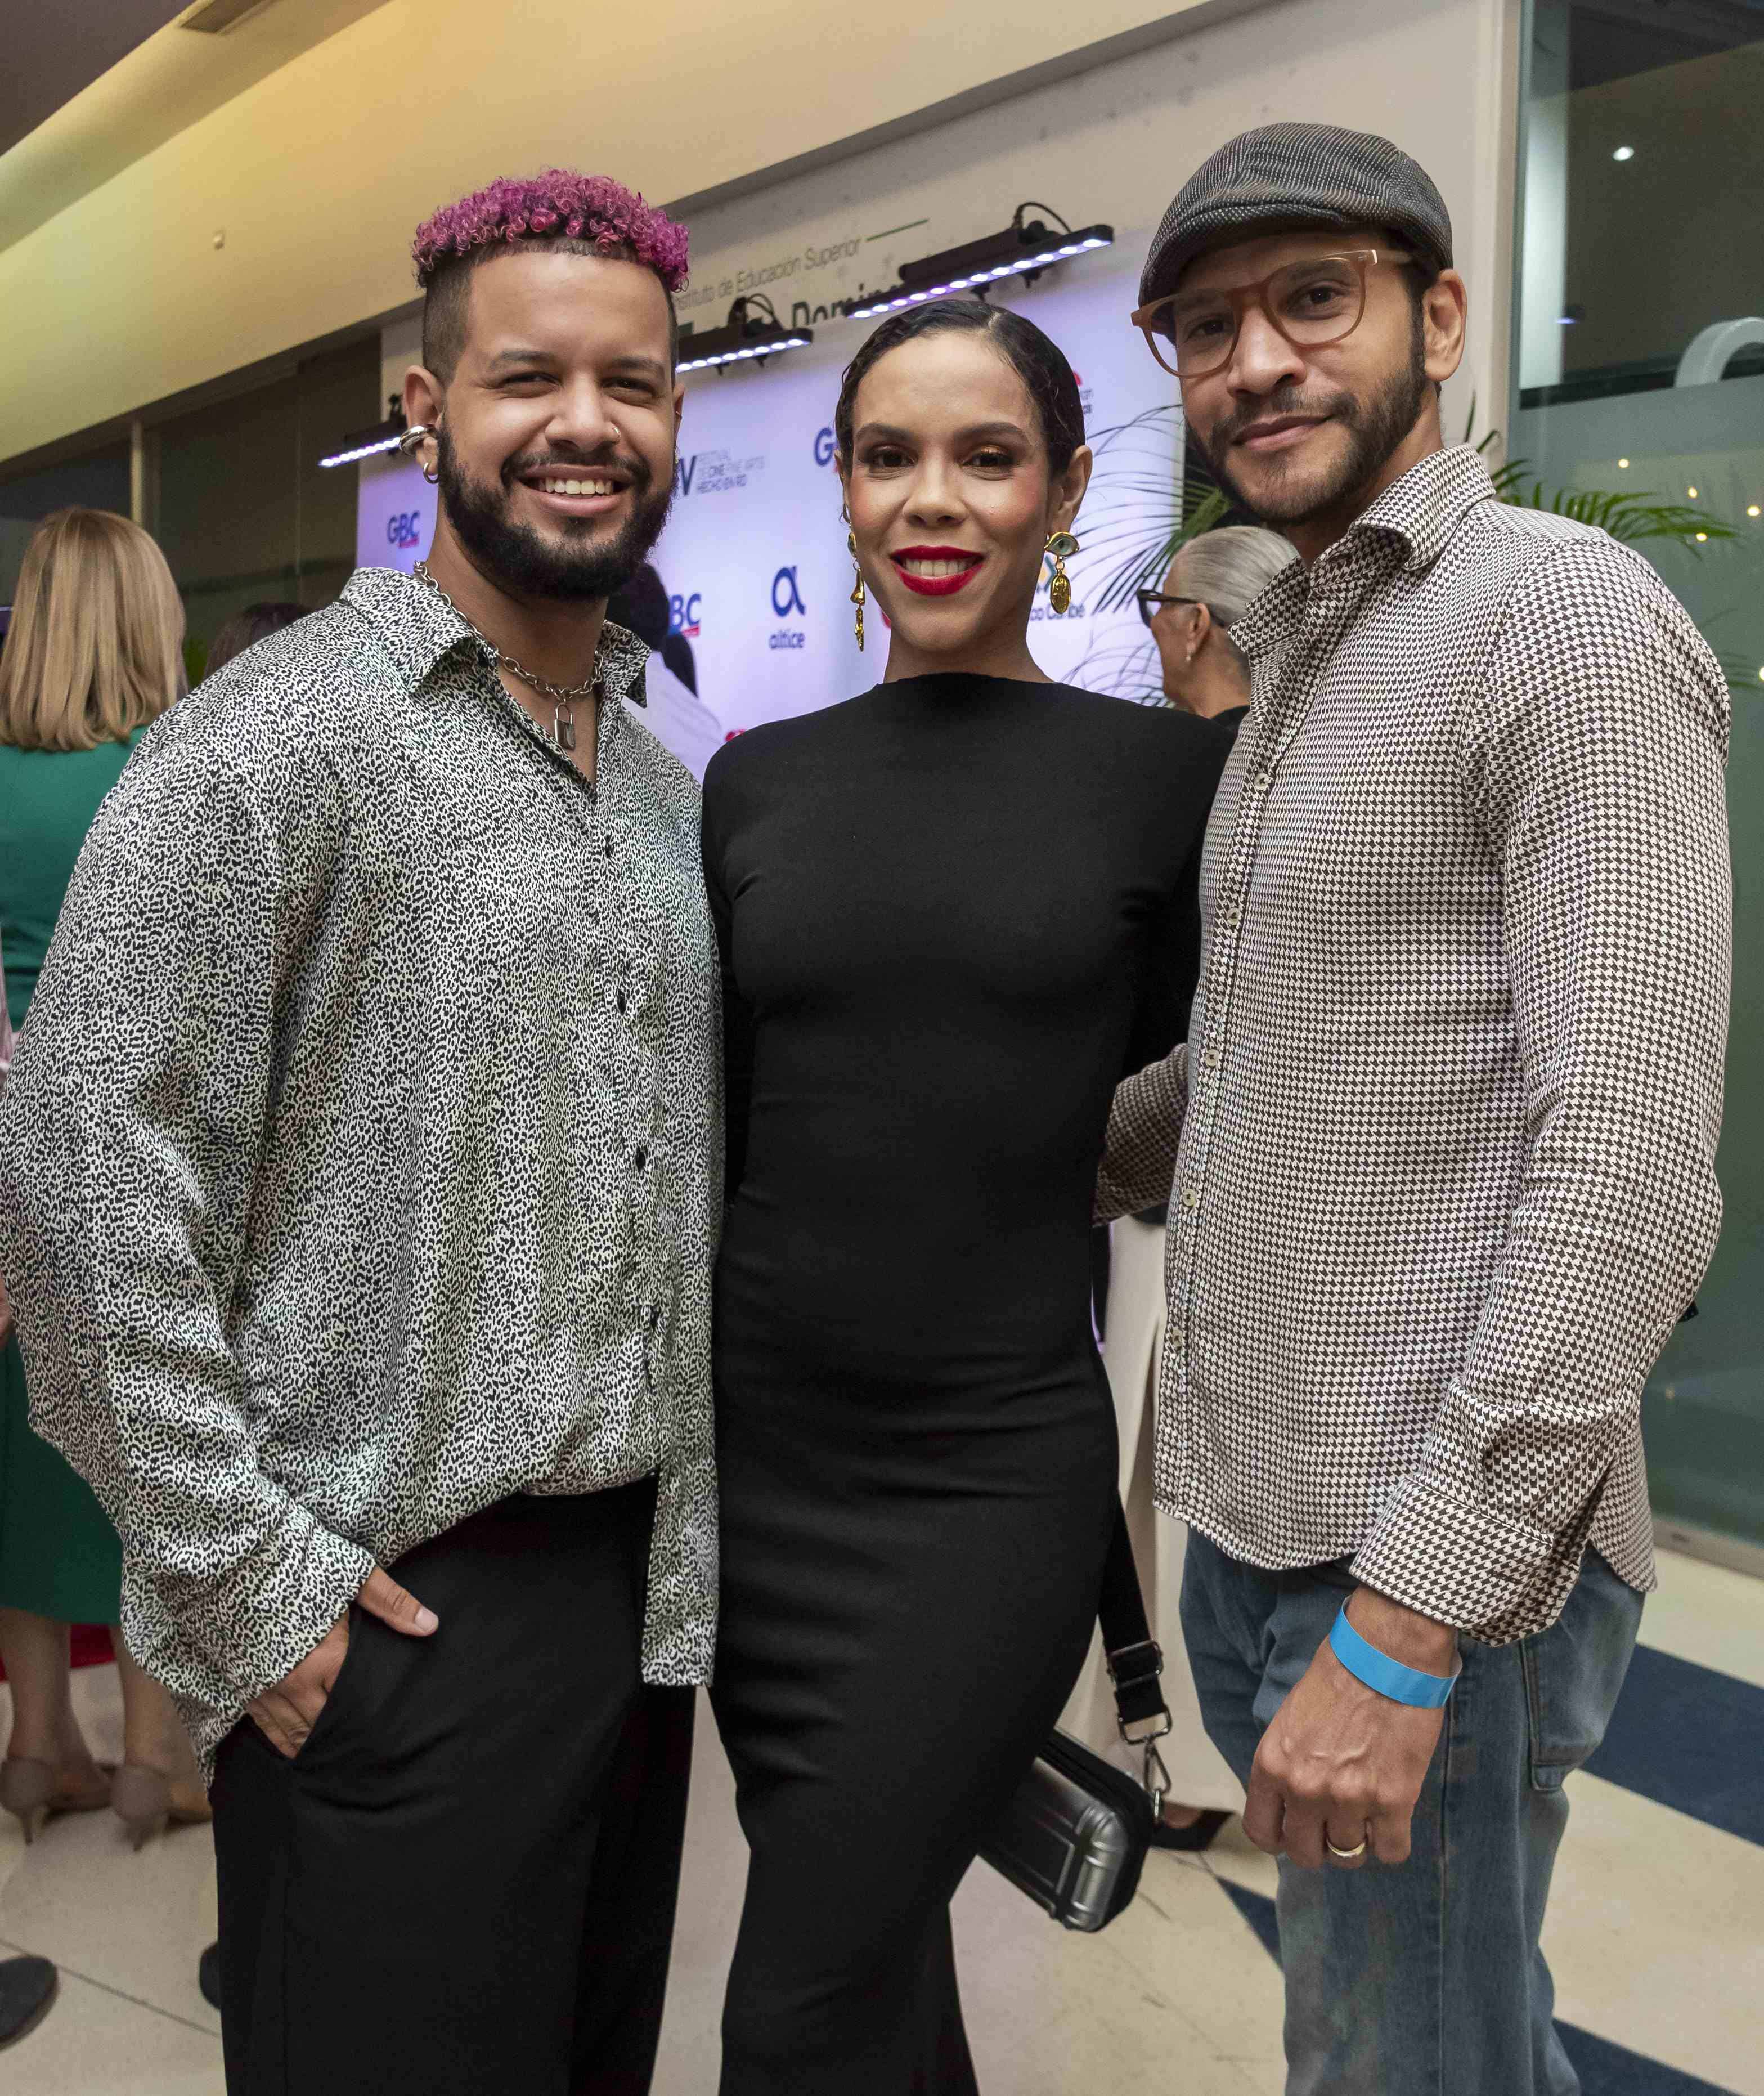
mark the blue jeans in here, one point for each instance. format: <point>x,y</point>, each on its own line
<point>1423,1978</point>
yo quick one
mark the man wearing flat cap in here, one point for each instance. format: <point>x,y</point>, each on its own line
<point>1440,1147</point>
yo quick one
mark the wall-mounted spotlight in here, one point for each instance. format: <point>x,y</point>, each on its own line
<point>366,443</point>
<point>1026,247</point>
<point>752,330</point>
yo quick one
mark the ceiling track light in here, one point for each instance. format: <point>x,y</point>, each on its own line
<point>753,332</point>
<point>217,16</point>
<point>368,444</point>
<point>1025,248</point>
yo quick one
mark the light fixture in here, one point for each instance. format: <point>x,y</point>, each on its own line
<point>752,330</point>
<point>218,17</point>
<point>1692,492</point>
<point>366,443</point>
<point>1624,153</point>
<point>1025,248</point>
<point>1622,465</point>
<point>1702,537</point>
<point>1752,509</point>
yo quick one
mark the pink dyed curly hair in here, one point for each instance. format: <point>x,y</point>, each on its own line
<point>557,205</point>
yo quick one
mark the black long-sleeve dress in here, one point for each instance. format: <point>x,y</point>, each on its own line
<point>953,912</point>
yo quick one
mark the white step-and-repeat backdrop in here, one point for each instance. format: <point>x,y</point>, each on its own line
<point>753,559</point>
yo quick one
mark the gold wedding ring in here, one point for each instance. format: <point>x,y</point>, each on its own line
<point>1346,1855</point>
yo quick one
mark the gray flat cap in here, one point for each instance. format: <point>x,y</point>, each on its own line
<point>1308,174</point>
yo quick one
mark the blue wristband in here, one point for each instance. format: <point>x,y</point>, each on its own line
<point>1387,1676</point>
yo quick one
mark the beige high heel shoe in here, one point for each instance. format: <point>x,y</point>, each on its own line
<point>147,1802</point>
<point>34,1791</point>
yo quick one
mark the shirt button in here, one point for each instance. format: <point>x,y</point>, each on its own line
<point>609,847</point>
<point>1230,918</point>
<point>642,1157</point>
<point>1211,1058</point>
<point>1261,782</point>
<point>1191,1197</point>
<point>623,1001</point>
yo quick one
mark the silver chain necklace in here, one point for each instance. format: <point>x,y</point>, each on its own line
<point>561,696</point>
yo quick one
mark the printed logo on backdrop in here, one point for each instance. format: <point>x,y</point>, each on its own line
<point>787,601</point>
<point>404,528</point>
<point>825,447</point>
<point>714,472</point>
<point>683,615</point>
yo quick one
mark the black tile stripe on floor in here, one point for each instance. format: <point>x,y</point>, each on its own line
<point>1604,2069</point>
<point>1689,1737</point>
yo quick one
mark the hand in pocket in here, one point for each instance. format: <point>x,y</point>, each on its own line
<point>286,1713</point>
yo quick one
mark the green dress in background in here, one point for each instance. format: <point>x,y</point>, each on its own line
<point>59,1555</point>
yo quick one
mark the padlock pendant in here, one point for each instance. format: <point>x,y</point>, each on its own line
<point>562,730</point>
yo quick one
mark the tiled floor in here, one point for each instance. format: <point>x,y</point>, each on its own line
<point>1656,1934</point>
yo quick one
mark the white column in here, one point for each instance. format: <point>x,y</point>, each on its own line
<point>1543,222</point>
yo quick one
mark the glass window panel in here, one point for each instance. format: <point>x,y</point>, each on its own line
<point>239,502</point>
<point>1639,368</point>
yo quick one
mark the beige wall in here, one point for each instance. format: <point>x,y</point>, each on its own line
<point>316,174</point>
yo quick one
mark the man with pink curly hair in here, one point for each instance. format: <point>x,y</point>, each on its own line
<point>403,1147</point>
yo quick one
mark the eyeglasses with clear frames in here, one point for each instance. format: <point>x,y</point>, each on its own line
<point>1321,299</point>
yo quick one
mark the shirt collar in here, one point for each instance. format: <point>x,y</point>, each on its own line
<point>419,628</point>
<point>1413,521</point>
<point>1423,509</point>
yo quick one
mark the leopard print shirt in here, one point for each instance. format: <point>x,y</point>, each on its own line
<point>361,1161</point>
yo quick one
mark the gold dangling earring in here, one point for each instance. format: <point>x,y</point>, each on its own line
<point>857,593</point>
<point>1061,544</point>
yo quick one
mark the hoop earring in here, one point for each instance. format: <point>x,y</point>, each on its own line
<point>857,593</point>
<point>1061,544</point>
<point>412,442</point>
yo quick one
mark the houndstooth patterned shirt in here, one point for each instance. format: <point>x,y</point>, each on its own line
<point>361,1158</point>
<point>1443,1134</point>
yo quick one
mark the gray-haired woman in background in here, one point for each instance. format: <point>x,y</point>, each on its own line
<point>1211,582</point>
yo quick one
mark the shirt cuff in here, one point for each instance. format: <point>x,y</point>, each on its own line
<point>1145,1126</point>
<point>1470,1564</point>
<point>251,1628</point>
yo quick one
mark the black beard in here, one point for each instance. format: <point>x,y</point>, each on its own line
<point>521,559</point>
<point>1374,427</point>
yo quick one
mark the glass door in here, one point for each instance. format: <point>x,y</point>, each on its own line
<point>1640,367</point>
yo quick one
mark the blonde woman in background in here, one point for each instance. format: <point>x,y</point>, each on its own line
<point>93,653</point>
<point>1211,582</point>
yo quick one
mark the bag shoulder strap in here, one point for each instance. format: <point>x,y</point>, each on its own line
<point>1134,1660</point>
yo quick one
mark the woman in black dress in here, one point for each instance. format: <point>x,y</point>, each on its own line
<point>953,912</point>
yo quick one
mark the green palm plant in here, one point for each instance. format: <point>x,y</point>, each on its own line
<point>1132,492</point>
<point>1629,517</point>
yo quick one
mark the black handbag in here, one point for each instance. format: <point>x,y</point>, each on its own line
<point>1074,1836</point>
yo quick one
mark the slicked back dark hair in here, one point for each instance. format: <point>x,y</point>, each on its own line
<point>1036,359</point>
<point>447,300</point>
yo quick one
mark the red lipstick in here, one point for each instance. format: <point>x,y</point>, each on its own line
<point>936,585</point>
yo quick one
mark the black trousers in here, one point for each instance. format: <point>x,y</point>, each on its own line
<point>465,1880</point>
